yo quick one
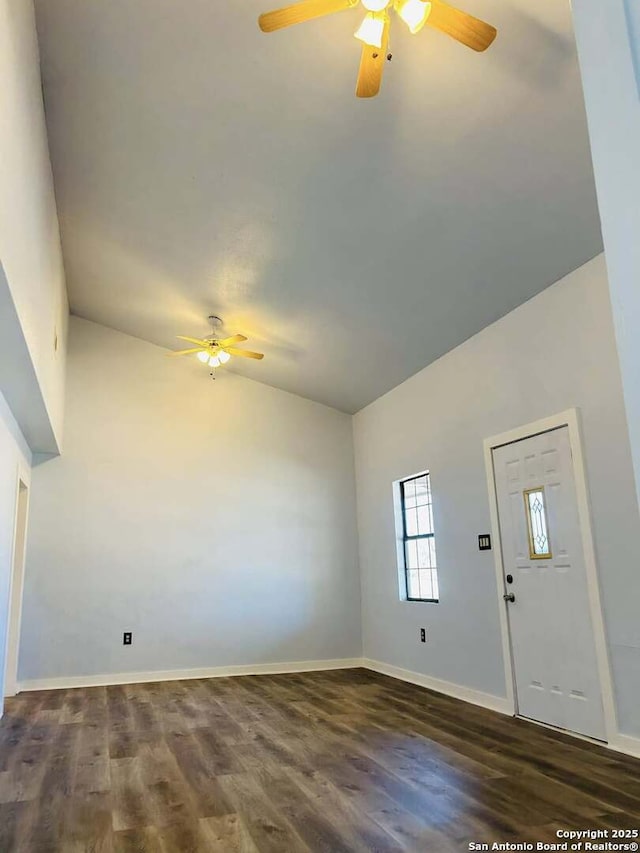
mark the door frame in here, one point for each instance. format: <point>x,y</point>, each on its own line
<point>570,418</point>
<point>18,560</point>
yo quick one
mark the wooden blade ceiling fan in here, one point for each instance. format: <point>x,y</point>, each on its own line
<point>216,351</point>
<point>373,32</point>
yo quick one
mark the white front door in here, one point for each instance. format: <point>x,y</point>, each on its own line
<point>552,637</point>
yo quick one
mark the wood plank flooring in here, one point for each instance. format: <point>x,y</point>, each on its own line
<point>329,761</point>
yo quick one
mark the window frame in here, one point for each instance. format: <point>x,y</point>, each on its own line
<point>412,538</point>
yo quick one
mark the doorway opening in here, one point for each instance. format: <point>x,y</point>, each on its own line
<point>16,589</point>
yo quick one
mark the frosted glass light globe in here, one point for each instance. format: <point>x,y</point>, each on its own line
<point>370,31</point>
<point>415,13</point>
<point>375,5</point>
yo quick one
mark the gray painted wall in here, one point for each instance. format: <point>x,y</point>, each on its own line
<point>215,520</point>
<point>33,302</point>
<point>15,461</point>
<point>30,249</point>
<point>555,352</point>
<point>608,41</point>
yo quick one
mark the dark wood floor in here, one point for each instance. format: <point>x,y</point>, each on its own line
<point>332,761</point>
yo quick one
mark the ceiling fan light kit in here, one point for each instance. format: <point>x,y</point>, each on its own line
<point>373,31</point>
<point>414,13</point>
<point>215,351</point>
<point>375,5</point>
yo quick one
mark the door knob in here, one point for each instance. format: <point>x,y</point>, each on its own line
<point>509,596</point>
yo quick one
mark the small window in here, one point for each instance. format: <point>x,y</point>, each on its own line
<point>418,539</point>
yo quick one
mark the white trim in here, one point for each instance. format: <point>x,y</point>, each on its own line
<point>507,659</point>
<point>71,681</point>
<point>562,731</point>
<point>627,744</point>
<point>10,686</point>
<point>569,419</point>
<point>501,705</point>
<point>466,694</point>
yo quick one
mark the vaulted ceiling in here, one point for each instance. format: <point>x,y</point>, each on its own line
<point>204,167</point>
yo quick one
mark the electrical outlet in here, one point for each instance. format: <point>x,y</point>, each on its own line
<point>423,635</point>
<point>127,638</point>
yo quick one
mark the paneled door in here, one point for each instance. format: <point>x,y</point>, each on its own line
<point>546,592</point>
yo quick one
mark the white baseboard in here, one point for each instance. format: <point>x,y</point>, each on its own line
<point>620,743</point>
<point>467,694</point>
<point>627,744</point>
<point>71,681</point>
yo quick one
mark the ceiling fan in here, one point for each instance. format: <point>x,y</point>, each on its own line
<point>373,32</point>
<point>216,351</point>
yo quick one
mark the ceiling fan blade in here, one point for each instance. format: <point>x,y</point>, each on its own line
<point>245,353</point>
<point>372,65</point>
<point>185,351</point>
<point>200,343</point>
<point>234,339</point>
<point>300,12</point>
<point>466,29</point>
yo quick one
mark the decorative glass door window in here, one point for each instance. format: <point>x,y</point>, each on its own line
<point>536,512</point>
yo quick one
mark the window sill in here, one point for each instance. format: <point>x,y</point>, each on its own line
<point>420,600</point>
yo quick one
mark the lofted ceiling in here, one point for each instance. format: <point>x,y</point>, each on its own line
<point>203,167</point>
